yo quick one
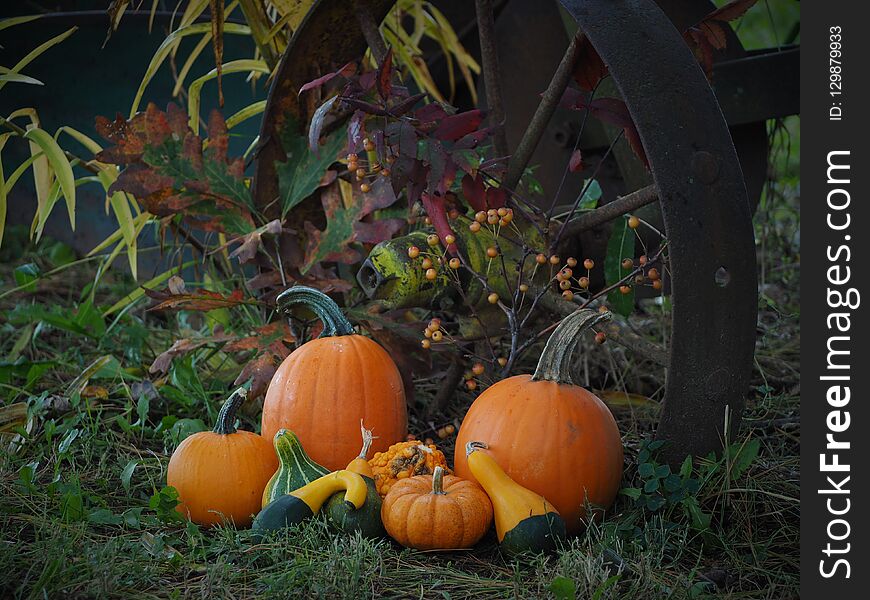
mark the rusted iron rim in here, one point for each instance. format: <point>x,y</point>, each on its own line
<point>706,213</point>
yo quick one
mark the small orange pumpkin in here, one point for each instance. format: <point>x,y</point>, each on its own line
<point>549,435</point>
<point>436,513</point>
<point>402,460</point>
<point>323,389</point>
<point>221,474</point>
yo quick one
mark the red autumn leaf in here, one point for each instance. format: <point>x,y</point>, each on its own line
<point>474,192</point>
<point>262,338</point>
<point>589,69</point>
<point>201,300</point>
<point>169,171</point>
<point>436,209</point>
<point>459,125</point>
<point>495,197</point>
<point>609,110</point>
<point>346,71</point>
<point>258,372</point>
<point>344,225</point>
<point>181,347</point>
<point>710,33</point>
<point>385,76</point>
<point>575,163</point>
<point>400,108</point>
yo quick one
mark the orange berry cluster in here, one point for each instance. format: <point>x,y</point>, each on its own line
<point>432,333</point>
<point>363,174</point>
<point>492,217</point>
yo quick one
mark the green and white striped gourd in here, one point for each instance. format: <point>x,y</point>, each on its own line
<point>295,467</point>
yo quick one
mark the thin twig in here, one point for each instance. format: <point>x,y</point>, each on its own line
<point>492,84</point>
<point>543,114</point>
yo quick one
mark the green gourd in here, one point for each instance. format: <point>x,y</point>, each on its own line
<point>367,518</point>
<point>295,467</point>
<point>307,501</point>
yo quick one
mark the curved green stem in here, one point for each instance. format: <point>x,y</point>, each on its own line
<point>555,361</point>
<point>438,480</point>
<point>334,321</point>
<point>226,419</point>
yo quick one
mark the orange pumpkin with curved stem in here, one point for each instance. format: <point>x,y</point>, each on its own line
<point>221,474</point>
<point>323,389</point>
<point>549,435</point>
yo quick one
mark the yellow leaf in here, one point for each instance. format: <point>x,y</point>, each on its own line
<point>60,167</point>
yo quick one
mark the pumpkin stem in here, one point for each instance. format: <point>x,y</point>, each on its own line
<point>474,446</point>
<point>367,440</point>
<point>226,419</point>
<point>334,321</point>
<point>438,480</point>
<point>555,361</point>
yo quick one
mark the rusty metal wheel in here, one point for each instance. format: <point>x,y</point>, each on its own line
<point>697,180</point>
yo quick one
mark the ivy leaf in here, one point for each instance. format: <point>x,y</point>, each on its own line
<point>620,246</point>
<point>303,171</point>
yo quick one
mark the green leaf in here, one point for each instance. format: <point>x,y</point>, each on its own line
<point>104,516</point>
<point>235,66</point>
<point>591,196</point>
<point>26,276</point>
<point>651,485</point>
<point>39,50</point>
<point>184,428</point>
<point>632,492</point>
<point>127,474</point>
<point>686,468</point>
<point>745,456</point>
<point>164,502</point>
<point>646,470</point>
<point>620,246</point>
<point>654,503</point>
<point>663,471</point>
<point>563,588</point>
<point>19,78</point>
<point>62,170</point>
<point>673,482</point>
<point>140,291</point>
<point>303,171</point>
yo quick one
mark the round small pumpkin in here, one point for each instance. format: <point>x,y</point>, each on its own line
<point>441,512</point>
<point>221,474</point>
<point>405,459</point>
<point>323,389</point>
<point>549,435</point>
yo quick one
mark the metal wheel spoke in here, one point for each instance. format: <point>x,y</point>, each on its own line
<point>550,100</point>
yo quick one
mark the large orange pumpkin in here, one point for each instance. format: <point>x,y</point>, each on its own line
<point>221,474</point>
<point>549,435</point>
<point>323,389</point>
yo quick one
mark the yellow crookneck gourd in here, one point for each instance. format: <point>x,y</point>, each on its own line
<point>524,520</point>
<point>307,501</point>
